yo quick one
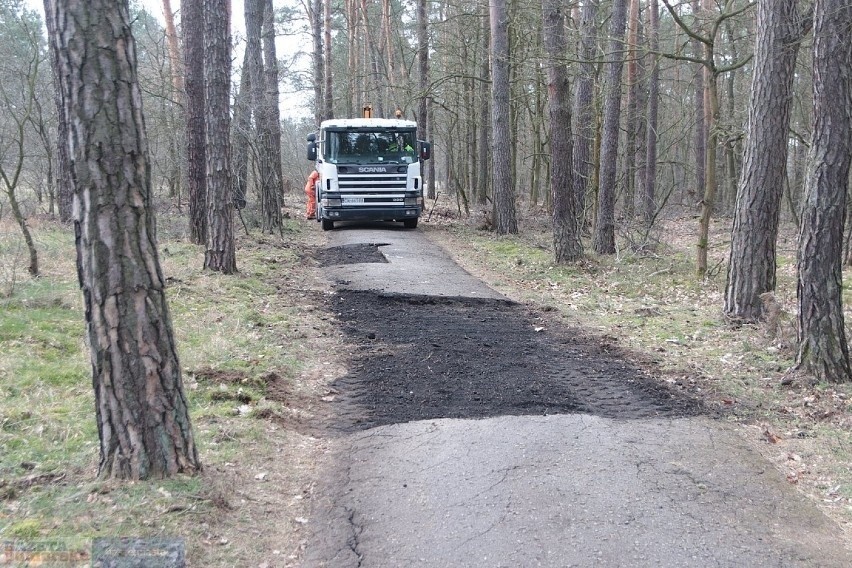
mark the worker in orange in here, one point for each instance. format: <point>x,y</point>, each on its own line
<point>311,212</point>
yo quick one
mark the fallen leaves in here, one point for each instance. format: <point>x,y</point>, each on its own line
<point>771,437</point>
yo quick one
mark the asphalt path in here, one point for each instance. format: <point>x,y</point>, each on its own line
<point>555,491</point>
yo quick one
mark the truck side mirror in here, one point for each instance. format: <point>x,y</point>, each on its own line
<point>312,151</point>
<point>312,137</point>
<point>425,150</point>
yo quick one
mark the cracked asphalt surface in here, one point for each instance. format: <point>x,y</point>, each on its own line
<point>474,432</point>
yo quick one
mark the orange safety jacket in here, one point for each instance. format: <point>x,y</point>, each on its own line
<point>311,211</point>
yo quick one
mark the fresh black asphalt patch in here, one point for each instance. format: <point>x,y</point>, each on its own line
<point>419,358</point>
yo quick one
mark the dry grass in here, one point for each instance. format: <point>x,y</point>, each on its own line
<point>257,328</point>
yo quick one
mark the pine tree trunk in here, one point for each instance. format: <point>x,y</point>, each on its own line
<point>823,350</point>
<point>64,183</point>
<point>352,60</point>
<point>328,94</point>
<point>270,211</point>
<point>220,255</point>
<point>650,198</point>
<point>192,19</point>
<point>142,415</point>
<point>175,60</point>
<point>423,81</point>
<point>566,235</point>
<point>482,192</point>
<point>751,266</point>
<point>708,201</point>
<point>584,105</point>
<point>604,241</point>
<point>315,15</point>
<point>273,112</point>
<point>241,136</point>
<point>504,193</point>
<point>700,132</point>
<point>632,108</point>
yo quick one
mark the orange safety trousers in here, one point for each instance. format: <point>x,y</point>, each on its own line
<point>310,193</point>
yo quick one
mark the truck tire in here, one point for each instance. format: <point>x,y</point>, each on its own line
<point>410,223</point>
<point>327,224</point>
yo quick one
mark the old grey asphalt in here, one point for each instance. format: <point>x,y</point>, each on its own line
<point>553,491</point>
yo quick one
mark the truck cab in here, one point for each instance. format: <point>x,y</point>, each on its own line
<point>370,170</point>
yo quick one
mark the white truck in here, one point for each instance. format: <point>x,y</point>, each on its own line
<point>369,170</point>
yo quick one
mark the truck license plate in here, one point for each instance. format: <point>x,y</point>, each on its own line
<point>353,201</point>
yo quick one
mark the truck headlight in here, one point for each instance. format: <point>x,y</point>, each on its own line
<point>331,202</point>
<point>411,201</point>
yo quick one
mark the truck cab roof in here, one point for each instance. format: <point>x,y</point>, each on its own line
<point>367,123</point>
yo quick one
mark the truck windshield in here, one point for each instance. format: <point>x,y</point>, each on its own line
<point>369,147</point>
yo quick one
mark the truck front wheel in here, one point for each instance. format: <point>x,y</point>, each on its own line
<point>327,224</point>
<point>410,223</point>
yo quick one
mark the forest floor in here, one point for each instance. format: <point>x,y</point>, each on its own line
<point>264,355</point>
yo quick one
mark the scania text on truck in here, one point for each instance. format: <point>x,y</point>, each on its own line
<point>369,170</point>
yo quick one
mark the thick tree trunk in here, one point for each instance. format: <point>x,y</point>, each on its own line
<point>328,94</point>
<point>751,265</point>
<point>270,211</point>
<point>505,220</point>
<point>315,16</point>
<point>708,201</point>
<point>700,132</point>
<point>482,192</point>
<point>192,19</point>
<point>584,106</point>
<point>220,255</point>
<point>241,139</point>
<point>352,60</point>
<point>273,112</point>
<point>175,61</point>
<point>633,110</point>
<point>823,350</point>
<point>566,235</point>
<point>64,183</point>
<point>650,198</point>
<point>604,241</point>
<point>423,81</point>
<point>142,415</point>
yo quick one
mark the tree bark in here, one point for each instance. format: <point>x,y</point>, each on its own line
<point>482,192</point>
<point>604,241</point>
<point>175,60</point>
<point>823,350</point>
<point>328,94</point>
<point>270,212</point>
<point>423,81</point>
<point>142,415</point>
<point>220,255</point>
<point>632,107</point>
<point>700,133</point>
<point>751,265</point>
<point>64,183</point>
<point>273,102</point>
<point>315,15</point>
<point>505,220</point>
<point>352,60</point>
<point>650,198</point>
<point>566,235</point>
<point>192,20</point>
<point>241,136</point>
<point>584,105</point>
<point>708,201</point>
